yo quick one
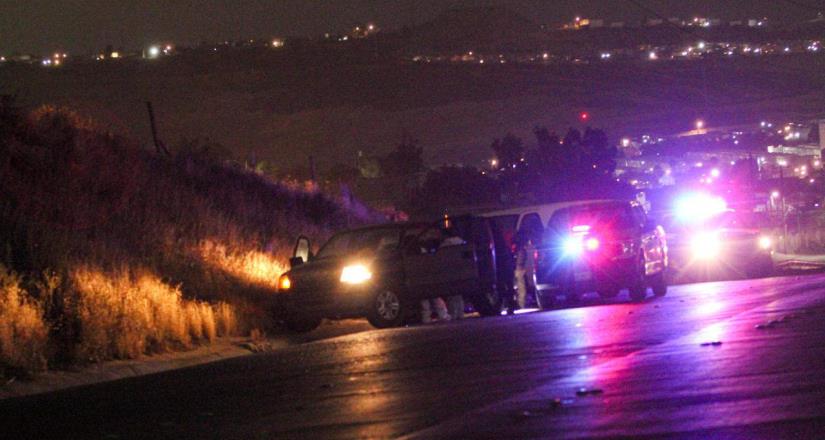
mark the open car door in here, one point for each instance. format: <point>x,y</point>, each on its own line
<point>439,262</point>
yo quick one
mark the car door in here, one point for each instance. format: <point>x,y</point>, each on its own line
<point>435,266</point>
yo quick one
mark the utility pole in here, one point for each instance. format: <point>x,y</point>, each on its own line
<point>159,146</point>
<point>312,168</point>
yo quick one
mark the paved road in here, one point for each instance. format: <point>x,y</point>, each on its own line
<point>601,369</point>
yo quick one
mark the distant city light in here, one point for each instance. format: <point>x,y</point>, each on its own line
<point>700,124</point>
<point>774,194</point>
<point>115,55</point>
<point>584,116</point>
<point>153,52</point>
<point>277,43</point>
<point>714,172</point>
<point>701,45</point>
<point>652,56</point>
<point>625,142</point>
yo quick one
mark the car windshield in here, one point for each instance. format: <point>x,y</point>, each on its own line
<point>360,241</point>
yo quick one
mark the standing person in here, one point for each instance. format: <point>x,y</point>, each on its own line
<point>525,259</point>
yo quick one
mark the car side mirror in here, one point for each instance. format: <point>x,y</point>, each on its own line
<point>301,253</point>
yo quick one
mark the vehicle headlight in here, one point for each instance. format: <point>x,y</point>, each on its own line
<point>284,283</point>
<point>765,242</point>
<point>355,274</point>
<point>706,245</point>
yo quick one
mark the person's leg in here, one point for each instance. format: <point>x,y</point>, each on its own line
<point>521,287</point>
<point>426,312</point>
<point>456,305</point>
<point>441,309</point>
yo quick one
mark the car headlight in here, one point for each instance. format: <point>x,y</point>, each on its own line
<point>765,242</point>
<point>706,246</point>
<point>355,274</point>
<point>284,283</point>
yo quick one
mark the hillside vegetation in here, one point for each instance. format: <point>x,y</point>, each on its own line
<point>110,251</point>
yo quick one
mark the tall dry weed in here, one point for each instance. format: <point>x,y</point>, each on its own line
<point>124,315</point>
<point>23,331</point>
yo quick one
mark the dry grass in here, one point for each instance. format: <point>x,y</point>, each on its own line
<point>130,253</point>
<point>252,266</point>
<point>23,330</point>
<point>123,315</point>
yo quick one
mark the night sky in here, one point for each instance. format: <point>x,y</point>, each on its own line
<point>41,26</point>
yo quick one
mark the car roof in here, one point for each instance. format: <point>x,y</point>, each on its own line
<point>401,225</point>
<point>545,211</point>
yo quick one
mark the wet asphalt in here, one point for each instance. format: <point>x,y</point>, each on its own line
<point>737,359</point>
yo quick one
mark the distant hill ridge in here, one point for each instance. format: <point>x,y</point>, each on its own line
<point>480,28</point>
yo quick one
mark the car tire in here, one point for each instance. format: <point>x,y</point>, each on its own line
<point>302,324</point>
<point>638,287</point>
<point>386,309</point>
<point>658,283</point>
<point>487,303</point>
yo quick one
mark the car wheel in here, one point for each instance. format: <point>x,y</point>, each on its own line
<point>638,288</point>
<point>302,324</point>
<point>545,299</point>
<point>658,283</point>
<point>386,309</point>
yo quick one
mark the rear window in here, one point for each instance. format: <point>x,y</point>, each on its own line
<point>612,216</point>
